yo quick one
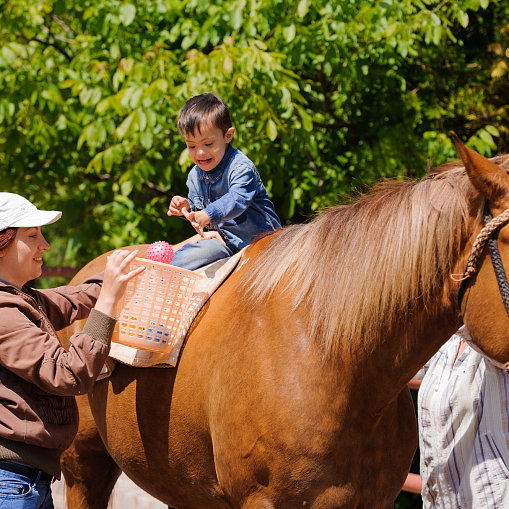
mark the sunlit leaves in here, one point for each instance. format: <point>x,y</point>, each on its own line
<point>324,96</point>
<point>289,32</point>
<point>271,129</point>
<point>303,8</point>
<point>482,141</point>
<point>127,13</point>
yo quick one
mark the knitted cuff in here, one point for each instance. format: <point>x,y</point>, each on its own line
<point>99,326</point>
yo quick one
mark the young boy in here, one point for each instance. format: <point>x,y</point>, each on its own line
<point>226,193</point>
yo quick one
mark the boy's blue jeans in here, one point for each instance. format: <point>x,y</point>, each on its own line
<point>203,252</point>
<point>20,492</point>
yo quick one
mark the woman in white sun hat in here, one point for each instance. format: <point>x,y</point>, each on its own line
<point>38,378</point>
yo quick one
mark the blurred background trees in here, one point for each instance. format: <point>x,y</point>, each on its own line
<point>326,97</point>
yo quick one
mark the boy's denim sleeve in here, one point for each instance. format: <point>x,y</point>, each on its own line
<point>241,192</point>
<point>192,190</point>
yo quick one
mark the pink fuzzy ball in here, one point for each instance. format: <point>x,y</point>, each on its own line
<point>160,251</point>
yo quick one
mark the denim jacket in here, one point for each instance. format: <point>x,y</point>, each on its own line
<point>235,199</point>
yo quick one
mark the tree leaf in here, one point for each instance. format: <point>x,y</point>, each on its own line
<point>115,51</point>
<point>289,32</point>
<point>486,137</point>
<point>184,159</point>
<point>437,35</point>
<point>492,130</point>
<point>463,18</point>
<point>96,96</point>
<point>124,126</point>
<point>146,139</point>
<point>227,65</point>
<point>85,95</point>
<point>303,8</point>
<point>126,187</point>
<point>236,18</point>
<point>142,119</point>
<point>391,30</point>
<point>286,101</point>
<point>102,106</point>
<point>271,129</point>
<point>127,14</point>
<point>67,83</point>
<point>307,122</point>
<point>108,159</point>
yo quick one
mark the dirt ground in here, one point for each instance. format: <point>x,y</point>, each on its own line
<point>126,495</point>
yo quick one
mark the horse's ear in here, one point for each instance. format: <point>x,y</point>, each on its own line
<point>490,180</point>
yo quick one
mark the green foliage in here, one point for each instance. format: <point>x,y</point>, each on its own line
<point>325,96</point>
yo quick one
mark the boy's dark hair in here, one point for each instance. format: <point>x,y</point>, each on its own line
<point>203,109</point>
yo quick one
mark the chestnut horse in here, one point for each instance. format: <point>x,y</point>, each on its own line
<point>291,389</point>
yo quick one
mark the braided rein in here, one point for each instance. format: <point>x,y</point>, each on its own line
<point>485,236</point>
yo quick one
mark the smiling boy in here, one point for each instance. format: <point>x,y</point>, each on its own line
<point>226,193</point>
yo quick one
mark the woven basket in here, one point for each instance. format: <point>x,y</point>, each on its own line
<point>154,306</point>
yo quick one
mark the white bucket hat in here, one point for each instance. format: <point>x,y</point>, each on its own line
<point>16,211</point>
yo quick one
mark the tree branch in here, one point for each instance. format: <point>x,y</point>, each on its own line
<point>271,33</point>
<point>62,24</point>
<point>419,23</point>
<point>273,29</point>
<point>157,188</point>
<point>47,43</point>
<point>436,9</point>
<point>56,36</point>
<point>331,127</point>
<point>115,178</point>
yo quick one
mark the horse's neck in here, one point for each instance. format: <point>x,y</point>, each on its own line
<point>388,368</point>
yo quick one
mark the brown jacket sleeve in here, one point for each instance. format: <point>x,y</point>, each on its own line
<point>29,348</point>
<point>66,304</point>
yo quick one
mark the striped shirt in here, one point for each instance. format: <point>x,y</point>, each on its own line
<point>463,430</point>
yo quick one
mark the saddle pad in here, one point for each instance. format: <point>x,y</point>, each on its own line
<point>214,274</point>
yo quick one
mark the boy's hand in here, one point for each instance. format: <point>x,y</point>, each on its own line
<point>214,235</point>
<point>198,220</point>
<point>177,204</point>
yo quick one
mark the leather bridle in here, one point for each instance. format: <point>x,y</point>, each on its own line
<point>491,226</point>
<point>488,236</point>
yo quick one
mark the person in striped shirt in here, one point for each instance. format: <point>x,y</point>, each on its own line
<point>463,428</point>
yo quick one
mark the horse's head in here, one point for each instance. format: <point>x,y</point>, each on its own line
<point>482,294</point>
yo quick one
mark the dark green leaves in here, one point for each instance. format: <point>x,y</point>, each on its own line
<point>324,96</point>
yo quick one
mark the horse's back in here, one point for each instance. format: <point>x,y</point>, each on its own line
<point>250,405</point>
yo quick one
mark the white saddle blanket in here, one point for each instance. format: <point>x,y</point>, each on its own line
<point>214,274</point>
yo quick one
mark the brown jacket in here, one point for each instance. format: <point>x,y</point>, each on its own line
<point>38,378</point>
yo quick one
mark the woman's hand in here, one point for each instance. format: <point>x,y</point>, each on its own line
<point>115,281</point>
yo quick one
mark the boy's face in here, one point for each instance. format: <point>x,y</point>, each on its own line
<point>207,148</point>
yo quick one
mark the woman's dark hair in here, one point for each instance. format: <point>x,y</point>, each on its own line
<point>201,110</point>
<point>7,237</point>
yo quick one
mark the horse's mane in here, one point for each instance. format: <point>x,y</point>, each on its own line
<point>357,268</point>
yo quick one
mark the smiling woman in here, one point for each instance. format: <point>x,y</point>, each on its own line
<point>38,377</point>
<point>24,263</point>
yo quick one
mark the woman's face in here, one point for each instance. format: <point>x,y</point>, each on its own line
<point>22,260</point>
